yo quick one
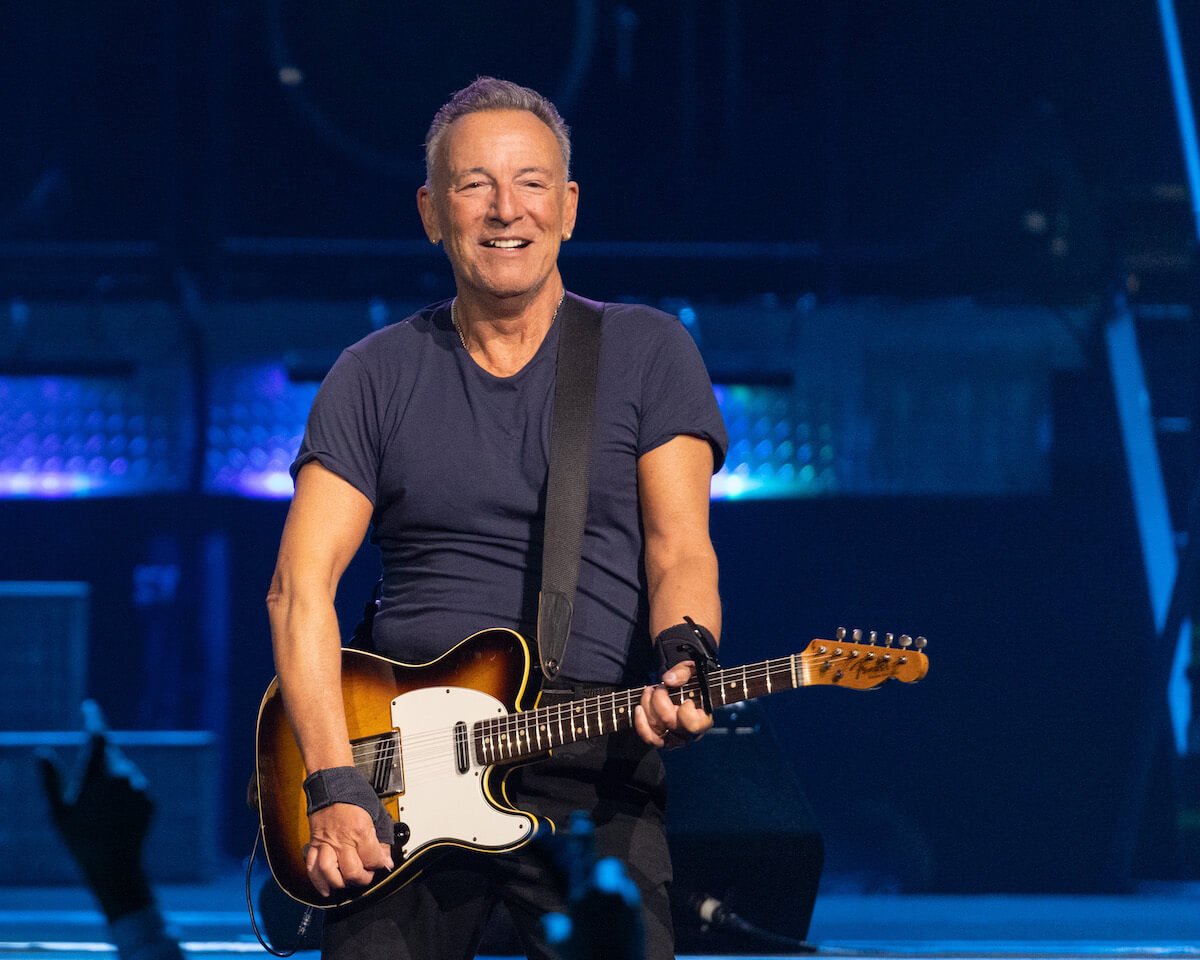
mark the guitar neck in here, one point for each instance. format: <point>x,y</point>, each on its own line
<point>518,736</point>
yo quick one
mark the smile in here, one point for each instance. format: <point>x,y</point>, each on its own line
<point>504,244</point>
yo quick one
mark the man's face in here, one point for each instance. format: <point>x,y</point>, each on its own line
<point>500,202</point>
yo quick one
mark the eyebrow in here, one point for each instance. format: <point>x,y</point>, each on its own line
<point>546,171</point>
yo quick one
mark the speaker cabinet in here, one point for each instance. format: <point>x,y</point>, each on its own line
<point>182,773</point>
<point>43,654</point>
<point>741,831</point>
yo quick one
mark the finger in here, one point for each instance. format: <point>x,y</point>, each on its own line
<point>120,766</point>
<point>679,674</point>
<point>50,768</point>
<point>693,720</point>
<point>376,855</point>
<point>93,763</point>
<point>642,726</point>
<point>351,867</point>
<point>385,855</point>
<point>664,709</point>
<point>651,711</point>
<point>94,721</point>
<point>326,870</point>
<point>310,866</point>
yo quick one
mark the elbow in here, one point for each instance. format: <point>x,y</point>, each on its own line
<point>278,598</point>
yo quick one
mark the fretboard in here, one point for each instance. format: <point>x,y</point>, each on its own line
<point>518,736</point>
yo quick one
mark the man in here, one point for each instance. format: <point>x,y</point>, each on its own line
<point>434,433</point>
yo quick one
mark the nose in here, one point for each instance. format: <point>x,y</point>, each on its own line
<point>505,206</point>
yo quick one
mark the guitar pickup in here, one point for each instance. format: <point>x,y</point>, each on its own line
<point>381,762</point>
<point>462,751</point>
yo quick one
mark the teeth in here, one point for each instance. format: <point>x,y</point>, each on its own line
<point>506,244</point>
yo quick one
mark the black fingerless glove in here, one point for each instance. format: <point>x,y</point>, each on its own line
<point>346,785</point>
<point>685,641</point>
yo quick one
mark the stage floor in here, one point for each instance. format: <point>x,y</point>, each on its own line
<point>1161,922</point>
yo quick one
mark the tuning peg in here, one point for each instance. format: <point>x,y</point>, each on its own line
<point>841,633</point>
<point>921,641</point>
<point>905,640</point>
<point>888,638</point>
<point>872,636</point>
<point>856,635</point>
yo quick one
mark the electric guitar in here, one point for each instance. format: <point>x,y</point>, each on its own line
<point>437,740</point>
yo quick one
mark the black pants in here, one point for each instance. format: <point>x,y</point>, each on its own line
<point>617,780</point>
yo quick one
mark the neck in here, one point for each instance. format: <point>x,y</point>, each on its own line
<point>503,336</point>
<point>526,312</point>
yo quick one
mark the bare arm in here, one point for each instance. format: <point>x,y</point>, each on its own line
<point>681,569</point>
<point>325,526</point>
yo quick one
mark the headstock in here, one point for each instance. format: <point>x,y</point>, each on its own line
<point>862,666</point>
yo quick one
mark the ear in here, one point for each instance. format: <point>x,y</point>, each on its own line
<point>429,220</point>
<point>570,208</point>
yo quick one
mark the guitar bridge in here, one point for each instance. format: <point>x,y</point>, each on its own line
<point>379,759</point>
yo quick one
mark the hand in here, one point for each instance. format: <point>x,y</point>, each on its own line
<point>660,722</point>
<point>102,813</point>
<point>344,848</point>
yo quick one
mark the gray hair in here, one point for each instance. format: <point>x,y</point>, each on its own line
<point>488,93</point>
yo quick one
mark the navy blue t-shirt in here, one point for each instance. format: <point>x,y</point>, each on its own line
<point>454,461</point>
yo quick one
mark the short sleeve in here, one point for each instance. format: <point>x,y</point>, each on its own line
<point>677,396</point>
<point>342,433</point>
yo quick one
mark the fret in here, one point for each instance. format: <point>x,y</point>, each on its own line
<point>586,733</point>
<point>612,701</point>
<point>745,691</point>
<point>561,738</point>
<point>795,682</point>
<point>769,689</point>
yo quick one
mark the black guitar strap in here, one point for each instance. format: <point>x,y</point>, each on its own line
<point>570,467</point>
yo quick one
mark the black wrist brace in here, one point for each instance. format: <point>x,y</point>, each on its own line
<point>686,641</point>
<point>346,785</point>
<point>689,641</point>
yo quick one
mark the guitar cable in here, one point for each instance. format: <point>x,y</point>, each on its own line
<point>714,914</point>
<point>304,921</point>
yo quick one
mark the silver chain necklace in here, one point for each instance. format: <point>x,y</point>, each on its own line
<point>463,340</point>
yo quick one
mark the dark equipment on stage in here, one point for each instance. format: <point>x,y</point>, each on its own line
<point>746,850</point>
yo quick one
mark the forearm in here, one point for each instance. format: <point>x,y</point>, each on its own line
<point>307,646</point>
<point>685,586</point>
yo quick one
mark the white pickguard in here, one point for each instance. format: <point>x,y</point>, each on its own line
<point>439,803</point>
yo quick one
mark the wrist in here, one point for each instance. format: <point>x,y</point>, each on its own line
<point>333,785</point>
<point>121,891</point>
<point>685,641</point>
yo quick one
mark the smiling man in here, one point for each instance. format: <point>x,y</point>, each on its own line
<point>434,434</point>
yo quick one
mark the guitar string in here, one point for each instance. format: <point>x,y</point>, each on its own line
<point>598,708</point>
